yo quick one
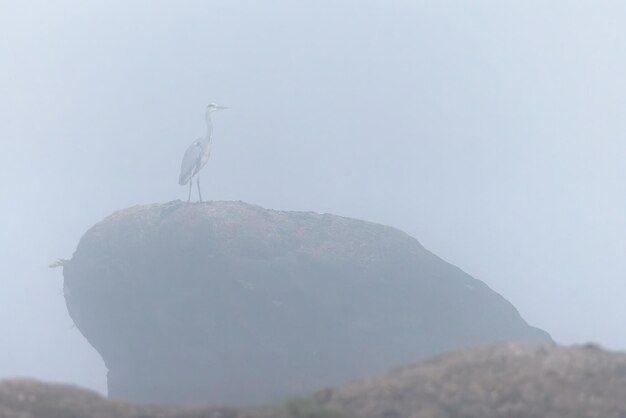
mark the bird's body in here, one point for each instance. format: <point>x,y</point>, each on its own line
<point>197,154</point>
<point>196,157</point>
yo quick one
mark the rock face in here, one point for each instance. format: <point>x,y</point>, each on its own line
<point>230,303</point>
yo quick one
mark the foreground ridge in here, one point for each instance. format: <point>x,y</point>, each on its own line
<point>503,380</point>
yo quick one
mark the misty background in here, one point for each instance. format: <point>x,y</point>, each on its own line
<point>493,132</point>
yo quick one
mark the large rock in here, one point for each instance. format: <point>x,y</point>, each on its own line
<point>226,302</point>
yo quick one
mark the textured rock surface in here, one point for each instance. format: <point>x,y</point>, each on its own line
<point>27,398</point>
<point>503,381</point>
<point>226,302</point>
<point>506,380</point>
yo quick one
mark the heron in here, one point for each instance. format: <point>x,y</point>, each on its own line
<point>198,153</point>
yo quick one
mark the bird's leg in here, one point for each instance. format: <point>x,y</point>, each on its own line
<point>190,183</point>
<point>198,184</point>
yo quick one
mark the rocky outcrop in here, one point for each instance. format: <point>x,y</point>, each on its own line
<point>230,303</point>
<point>505,380</point>
<point>28,398</point>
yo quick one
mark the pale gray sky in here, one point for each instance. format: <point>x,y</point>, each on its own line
<point>493,132</point>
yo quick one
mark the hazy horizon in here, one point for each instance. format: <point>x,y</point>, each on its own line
<point>493,133</point>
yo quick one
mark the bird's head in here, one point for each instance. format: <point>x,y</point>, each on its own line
<point>214,108</point>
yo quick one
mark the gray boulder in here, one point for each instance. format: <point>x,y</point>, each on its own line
<point>230,303</point>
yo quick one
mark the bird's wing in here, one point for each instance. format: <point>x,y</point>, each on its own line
<point>191,162</point>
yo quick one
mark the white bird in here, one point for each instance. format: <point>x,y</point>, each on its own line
<point>198,153</point>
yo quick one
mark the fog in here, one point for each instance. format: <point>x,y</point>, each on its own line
<point>493,132</point>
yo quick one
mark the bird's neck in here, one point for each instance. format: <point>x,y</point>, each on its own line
<point>209,126</point>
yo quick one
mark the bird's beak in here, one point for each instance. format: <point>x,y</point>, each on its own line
<point>222,107</point>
